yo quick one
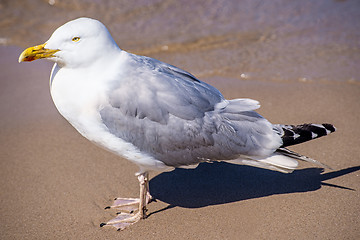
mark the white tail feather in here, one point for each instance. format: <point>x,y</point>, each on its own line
<point>295,155</point>
<point>276,162</point>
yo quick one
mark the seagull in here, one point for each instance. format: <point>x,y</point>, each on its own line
<point>156,115</point>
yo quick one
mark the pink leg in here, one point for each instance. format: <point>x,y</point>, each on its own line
<point>133,209</point>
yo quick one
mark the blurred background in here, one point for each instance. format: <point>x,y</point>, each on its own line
<point>279,40</point>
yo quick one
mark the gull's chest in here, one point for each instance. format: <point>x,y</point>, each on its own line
<point>77,96</point>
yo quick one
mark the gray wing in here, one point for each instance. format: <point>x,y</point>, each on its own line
<point>174,117</point>
<point>154,90</point>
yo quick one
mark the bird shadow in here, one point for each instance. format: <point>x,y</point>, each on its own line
<point>219,183</point>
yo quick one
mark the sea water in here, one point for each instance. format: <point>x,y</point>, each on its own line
<point>279,40</point>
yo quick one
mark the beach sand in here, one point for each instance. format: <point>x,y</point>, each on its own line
<point>55,184</point>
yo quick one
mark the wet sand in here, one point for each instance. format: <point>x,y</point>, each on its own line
<point>263,40</point>
<point>55,184</point>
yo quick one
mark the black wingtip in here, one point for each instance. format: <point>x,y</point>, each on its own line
<point>102,224</point>
<point>302,133</point>
<point>329,127</point>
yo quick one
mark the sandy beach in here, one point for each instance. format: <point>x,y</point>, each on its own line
<point>55,184</point>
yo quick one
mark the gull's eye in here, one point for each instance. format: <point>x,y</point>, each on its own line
<point>75,39</point>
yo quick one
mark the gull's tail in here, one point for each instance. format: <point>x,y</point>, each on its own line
<point>283,159</point>
<point>292,135</point>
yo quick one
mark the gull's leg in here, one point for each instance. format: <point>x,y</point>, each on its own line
<point>144,192</point>
<point>135,208</point>
<point>149,198</point>
<point>132,204</point>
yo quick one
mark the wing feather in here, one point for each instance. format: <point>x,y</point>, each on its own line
<point>180,120</point>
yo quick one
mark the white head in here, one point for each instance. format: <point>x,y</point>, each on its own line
<point>77,43</point>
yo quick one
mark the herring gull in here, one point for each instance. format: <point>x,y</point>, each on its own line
<point>156,115</point>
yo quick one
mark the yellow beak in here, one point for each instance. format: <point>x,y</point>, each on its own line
<point>36,52</point>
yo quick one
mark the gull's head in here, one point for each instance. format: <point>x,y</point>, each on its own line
<point>77,43</point>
